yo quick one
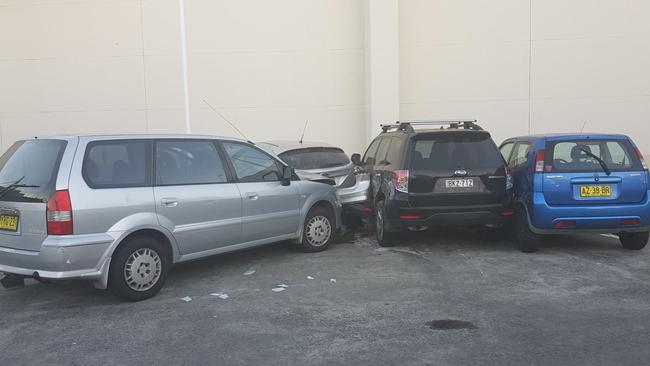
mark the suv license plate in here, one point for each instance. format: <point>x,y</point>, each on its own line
<point>9,222</point>
<point>459,183</point>
<point>595,191</point>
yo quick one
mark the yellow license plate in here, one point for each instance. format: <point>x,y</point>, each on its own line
<point>9,222</point>
<point>595,191</point>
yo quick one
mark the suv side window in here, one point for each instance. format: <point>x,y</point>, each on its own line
<point>369,156</point>
<point>506,149</point>
<point>117,164</point>
<point>519,156</point>
<point>383,151</point>
<point>395,151</point>
<point>251,164</point>
<point>188,162</point>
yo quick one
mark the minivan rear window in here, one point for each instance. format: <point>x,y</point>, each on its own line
<point>446,151</point>
<point>315,158</point>
<point>28,170</point>
<point>578,156</point>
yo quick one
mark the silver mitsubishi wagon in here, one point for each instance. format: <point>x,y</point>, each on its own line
<point>120,210</point>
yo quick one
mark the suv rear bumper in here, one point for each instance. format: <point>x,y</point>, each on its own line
<point>592,218</point>
<point>62,257</point>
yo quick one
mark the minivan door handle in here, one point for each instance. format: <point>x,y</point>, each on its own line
<point>169,202</point>
<point>252,196</point>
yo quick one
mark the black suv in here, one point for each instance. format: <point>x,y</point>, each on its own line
<point>452,174</point>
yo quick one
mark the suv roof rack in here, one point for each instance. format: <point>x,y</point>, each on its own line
<point>407,126</point>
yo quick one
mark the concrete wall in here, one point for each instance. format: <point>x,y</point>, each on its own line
<point>528,66</point>
<point>106,66</point>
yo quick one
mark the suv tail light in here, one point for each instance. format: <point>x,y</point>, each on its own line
<point>638,153</point>
<point>401,180</point>
<point>539,161</point>
<point>508,178</point>
<point>59,214</point>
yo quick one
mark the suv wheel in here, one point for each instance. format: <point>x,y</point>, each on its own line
<point>139,269</point>
<point>385,238</point>
<point>634,241</point>
<point>527,241</point>
<point>318,230</point>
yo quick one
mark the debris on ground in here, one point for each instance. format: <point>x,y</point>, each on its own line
<point>333,280</point>
<point>220,295</point>
<point>278,289</point>
<point>310,277</point>
<point>282,285</point>
<point>186,299</point>
<point>249,272</point>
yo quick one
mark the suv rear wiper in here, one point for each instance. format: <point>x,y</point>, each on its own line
<point>599,160</point>
<point>17,184</point>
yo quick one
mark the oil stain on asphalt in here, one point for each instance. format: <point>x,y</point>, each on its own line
<point>450,324</point>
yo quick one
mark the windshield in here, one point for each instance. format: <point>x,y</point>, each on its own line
<point>28,170</point>
<point>315,158</point>
<point>582,156</point>
<point>448,151</point>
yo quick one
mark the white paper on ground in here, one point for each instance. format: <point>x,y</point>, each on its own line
<point>278,289</point>
<point>310,277</point>
<point>249,272</point>
<point>186,299</point>
<point>220,295</point>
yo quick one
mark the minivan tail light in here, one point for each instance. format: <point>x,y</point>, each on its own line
<point>539,161</point>
<point>638,153</point>
<point>401,180</point>
<point>59,214</point>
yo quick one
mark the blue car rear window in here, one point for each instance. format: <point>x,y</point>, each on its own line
<point>578,155</point>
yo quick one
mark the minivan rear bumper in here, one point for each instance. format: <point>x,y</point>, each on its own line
<point>61,257</point>
<point>588,218</point>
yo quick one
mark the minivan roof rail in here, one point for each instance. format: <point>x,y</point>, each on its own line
<point>407,126</point>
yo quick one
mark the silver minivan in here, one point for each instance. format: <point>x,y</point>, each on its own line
<point>120,210</point>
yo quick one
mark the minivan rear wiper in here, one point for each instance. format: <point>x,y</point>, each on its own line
<point>599,160</point>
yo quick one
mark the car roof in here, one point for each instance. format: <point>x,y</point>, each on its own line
<point>139,136</point>
<point>570,136</point>
<point>280,146</point>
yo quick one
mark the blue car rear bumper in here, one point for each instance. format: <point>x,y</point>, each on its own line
<point>597,218</point>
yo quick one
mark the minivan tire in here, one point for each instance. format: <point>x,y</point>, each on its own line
<point>634,241</point>
<point>150,256</point>
<point>385,237</point>
<point>527,241</point>
<point>319,230</point>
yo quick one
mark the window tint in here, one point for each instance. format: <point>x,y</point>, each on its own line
<point>506,150</point>
<point>32,165</point>
<point>315,158</point>
<point>520,155</point>
<point>252,165</point>
<point>188,162</point>
<point>369,156</point>
<point>118,163</point>
<point>577,155</point>
<point>383,150</point>
<point>395,151</point>
<point>447,151</point>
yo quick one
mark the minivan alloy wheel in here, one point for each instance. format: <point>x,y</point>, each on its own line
<point>318,230</point>
<point>142,269</point>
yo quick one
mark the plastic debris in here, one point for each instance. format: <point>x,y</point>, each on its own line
<point>186,299</point>
<point>333,280</point>
<point>282,285</point>
<point>220,295</point>
<point>310,277</point>
<point>249,272</point>
<point>278,289</point>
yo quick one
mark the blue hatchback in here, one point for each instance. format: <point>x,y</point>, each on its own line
<point>573,183</point>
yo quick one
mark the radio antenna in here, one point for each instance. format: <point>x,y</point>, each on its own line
<point>583,126</point>
<point>227,120</point>
<point>303,131</point>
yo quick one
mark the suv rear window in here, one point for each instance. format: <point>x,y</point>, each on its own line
<point>315,158</point>
<point>28,170</point>
<point>447,151</point>
<point>574,156</point>
<point>118,164</point>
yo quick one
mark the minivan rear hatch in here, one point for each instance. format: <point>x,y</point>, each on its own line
<point>451,168</point>
<point>575,172</point>
<point>28,172</point>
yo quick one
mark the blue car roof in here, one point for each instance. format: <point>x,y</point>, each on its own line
<point>571,136</point>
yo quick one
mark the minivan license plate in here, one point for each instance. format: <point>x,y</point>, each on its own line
<point>459,183</point>
<point>9,222</point>
<point>595,191</point>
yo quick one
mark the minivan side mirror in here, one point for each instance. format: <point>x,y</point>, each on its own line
<point>287,173</point>
<point>356,159</point>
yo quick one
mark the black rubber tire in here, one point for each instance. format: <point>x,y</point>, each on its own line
<point>116,281</point>
<point>385,237</point>
<point>527,241</point>
<point>307,245</point>
<point>634,241</point>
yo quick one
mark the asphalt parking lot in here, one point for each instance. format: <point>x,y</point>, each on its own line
<point>442,298</point>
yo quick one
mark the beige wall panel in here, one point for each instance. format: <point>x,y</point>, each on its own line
<point>164,81</point>
<point>467,72</point>
<point>502,118</point>
<point>17,126</point>
<point>114,83</point>
<point>561,19</point>
<point>161,24</point>
<point>262,25</point>
<point>69,30</point>
<point>171,120</point>
<point>591,67</point>
<point>436,22</point>
<point>338,125</point>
